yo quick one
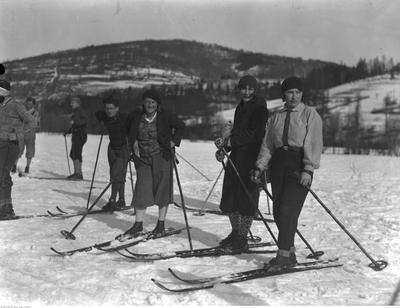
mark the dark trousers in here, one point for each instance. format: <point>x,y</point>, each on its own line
<point>288,194</point>
<point>78,139</point>
<point>8,154</point>
<point>234,197</point>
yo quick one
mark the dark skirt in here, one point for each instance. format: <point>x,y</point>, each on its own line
<point>154,182</point>
<point>234,197</point>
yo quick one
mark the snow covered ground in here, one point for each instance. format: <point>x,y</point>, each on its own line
<point>363,192</point>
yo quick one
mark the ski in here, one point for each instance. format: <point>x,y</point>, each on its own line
<point>168,232</point>
<point>65,214</point>
<point>61,179</point>
<point>203,252</point>
<point>145,236</point>
<point>215,212</point>
<point>16,217</point>
<point>208,283</point>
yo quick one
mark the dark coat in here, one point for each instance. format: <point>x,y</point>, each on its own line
<point>169,128</point>
<point>246,137</point>
<point>117,127</point>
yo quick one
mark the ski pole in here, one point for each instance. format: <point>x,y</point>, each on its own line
<point>265,181</point>
<point>66,150</point>
<point>68,234</point>
<point>250,196</point>
<point>130,170</point>
<point>395,295</point>
<point>200,212</point>
<point>193,167</point>
<point>94,171</point>
<point>376,265</point>
<point>313,254</point>
<point>182,199</point>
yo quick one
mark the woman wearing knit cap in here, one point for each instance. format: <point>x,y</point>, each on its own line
<point>13,116</point>
<point>244,142</point>
<point>153,134</point>
<point>291,150</point>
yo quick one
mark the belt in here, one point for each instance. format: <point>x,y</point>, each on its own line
<point>290,148</point>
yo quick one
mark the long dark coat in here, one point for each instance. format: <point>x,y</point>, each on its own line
<point>246,137</point>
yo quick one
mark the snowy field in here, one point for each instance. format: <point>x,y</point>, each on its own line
<point>363,192</point>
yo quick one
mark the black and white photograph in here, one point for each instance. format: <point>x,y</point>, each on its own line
<point>199,153</point>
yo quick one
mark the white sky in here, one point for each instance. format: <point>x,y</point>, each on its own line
<point>333,30</point>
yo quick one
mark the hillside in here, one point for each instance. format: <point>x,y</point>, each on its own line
<point>93,69</point>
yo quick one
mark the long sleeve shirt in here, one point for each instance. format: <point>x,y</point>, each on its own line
<point>33,126</point>
<point>305,131</point>
<point>13,116</point>
<point>78,117</point>
<point>117,127</point>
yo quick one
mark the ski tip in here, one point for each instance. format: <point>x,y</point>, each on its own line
<point>56,251</point>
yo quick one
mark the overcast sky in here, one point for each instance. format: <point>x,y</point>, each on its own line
<point>336,30</point>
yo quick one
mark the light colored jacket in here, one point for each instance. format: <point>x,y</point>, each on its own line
<point>13,116</point>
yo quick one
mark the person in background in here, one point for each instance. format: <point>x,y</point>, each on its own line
<point>244,143</point>
<point>117,125</point>
<point>27,143</point>
<point>290,151</point>
<point>79,137</point>
<point>153,134</point>
<point>13,116</point>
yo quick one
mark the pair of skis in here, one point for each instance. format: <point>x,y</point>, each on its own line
<point>63,214</point>
<point>216,251</point>
<point>115,244</point>
<point>267,271</point>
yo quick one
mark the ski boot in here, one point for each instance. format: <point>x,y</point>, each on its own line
<point>26,169</point>
<point>159,230</point>
<point>238,244</point>
<point>135,231</point>
<point>110,206</point>
<point>120,204</point>
<point>7,212</point>
<point>77,177</point>
<point>283,259</point>
<point>71,176</point>
<point>228,240</point>
<point>14,169</point>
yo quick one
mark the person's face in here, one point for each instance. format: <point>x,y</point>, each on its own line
<point>293,97</point>
<point>29,104</point>
<point>75,103</point>
<point>111,110</point>
<point>247,93</point>
<point>150,106</point>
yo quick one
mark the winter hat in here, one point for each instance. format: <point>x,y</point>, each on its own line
<point>248,81</point>
<point>4,87</point>
<point>111,100</point>
<point>291,83</point>
<point>153,94</point>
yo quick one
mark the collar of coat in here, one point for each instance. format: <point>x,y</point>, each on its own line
<point>298,108</point>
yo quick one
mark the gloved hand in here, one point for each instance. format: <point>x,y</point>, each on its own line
<point>305,179</point>
<point>67,132</point>
<point>255,175</point>
<point>221,142</point>
<point>220,155</point>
